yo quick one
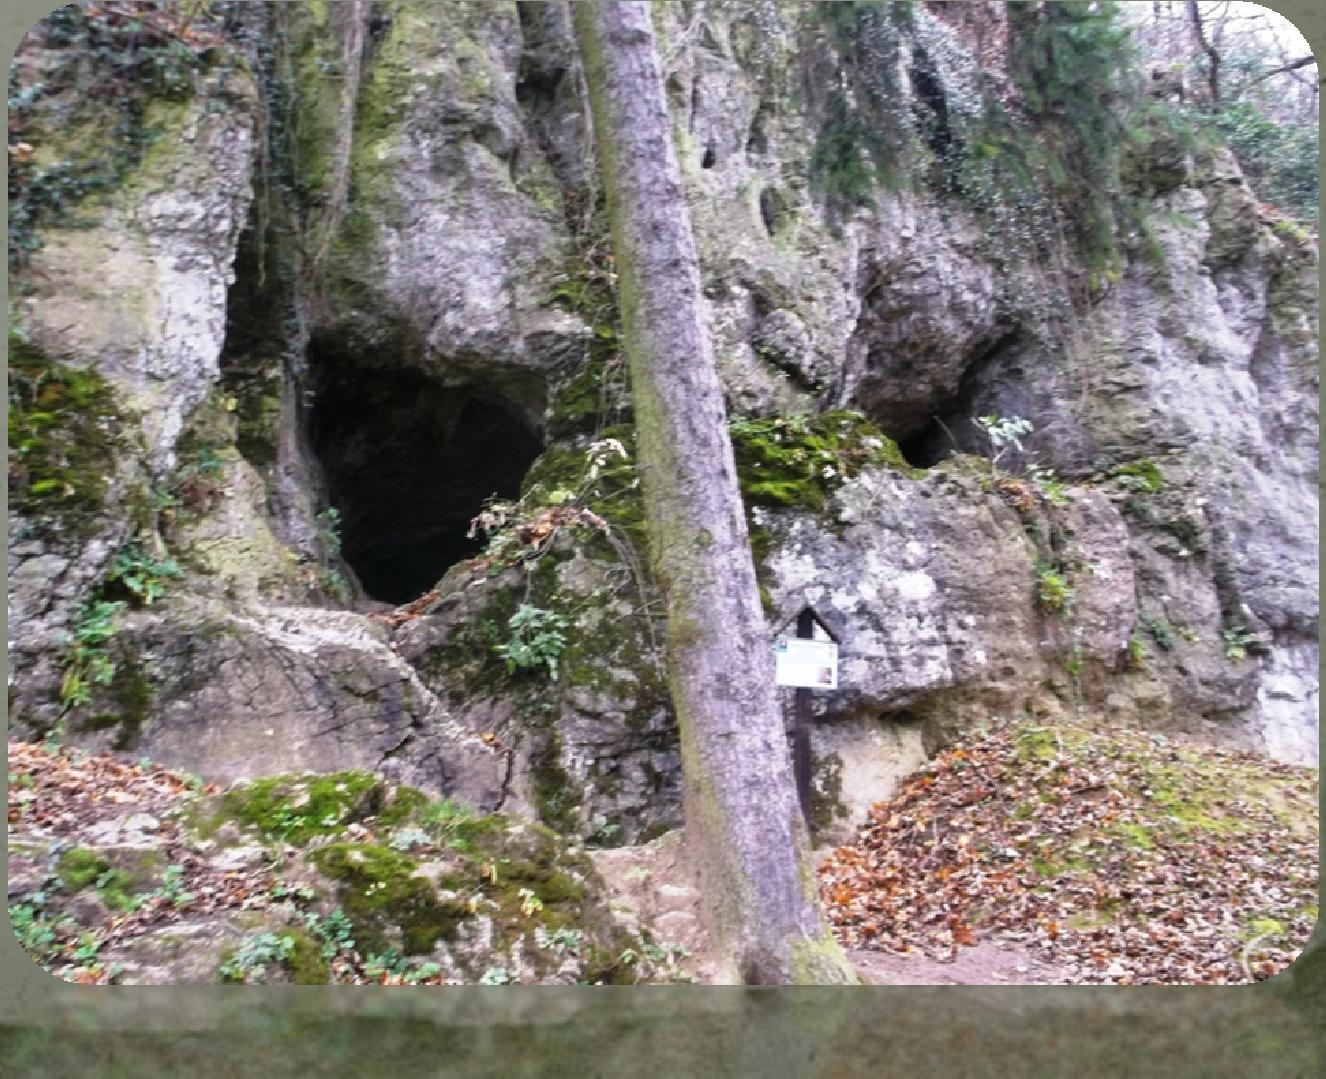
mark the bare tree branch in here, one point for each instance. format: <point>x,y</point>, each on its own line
<point>1293,65</point>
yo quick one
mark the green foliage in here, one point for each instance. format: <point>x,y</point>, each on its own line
<point>1161,631</point>
<point>329,527</point>
<point>255,955</point>
<point>1075,65</point>
<point>495,976</point>
<point>404,839</point>
<point>115,887</point>
<point>1142,476</point>
<point>453,825</point>
<point>535,642</point>
<point>172,888</point>
<point>408,971</point>
<point>1053,591</point>
<point>336,931</point>
<point>866,138</point>
<point>1050,486</point>
<point>1002,433</point>
<point>1136,650</point>
<point>379,890</point>
<point>86,660</point>
<point>79,867</point>
<point>1277,152</point>
<point>563,940</point>
<point>37,932</point>
<point>142,574</point>
<point>1235,640</point>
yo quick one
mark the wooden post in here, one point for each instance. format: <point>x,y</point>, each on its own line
<point>801,725</point>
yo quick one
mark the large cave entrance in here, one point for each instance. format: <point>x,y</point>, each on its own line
<point>408,464</point>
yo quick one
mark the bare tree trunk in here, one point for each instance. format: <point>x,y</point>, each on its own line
<point>743,824</point>
<point>1212,54</point>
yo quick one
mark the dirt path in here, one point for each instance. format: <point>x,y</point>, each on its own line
<point>980,964</point>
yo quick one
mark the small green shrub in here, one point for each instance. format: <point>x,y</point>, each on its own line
<point>1141,477</point>
<point>87,662</point>
<point>1136,650</point>
<point>1052,489</point>
<point>1053,591</point>
<point>536,640</point>
<point>1235,640</point>
<point>254,956</point>
<point>329,528</point>
<point>1161,631</point>
<point>142,574</point>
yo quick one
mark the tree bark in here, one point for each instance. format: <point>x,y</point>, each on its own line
<point>1212,54</point>
<point>743,825</point>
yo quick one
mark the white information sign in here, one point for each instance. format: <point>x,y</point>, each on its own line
<point>802,662</point>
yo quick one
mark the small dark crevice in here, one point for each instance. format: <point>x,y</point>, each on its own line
<point>710,157</point>
<point>773,209</point>
<point>932,107</point>
<point>257,319</point>
<point>757,142</point>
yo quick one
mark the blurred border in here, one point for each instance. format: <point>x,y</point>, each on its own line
<point>50,1027</point>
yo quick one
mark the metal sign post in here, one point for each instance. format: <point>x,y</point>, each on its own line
<point>801,728</point>
<point>806,664</point>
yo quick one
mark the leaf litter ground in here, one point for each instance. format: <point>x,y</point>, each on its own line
<point>1114,858</point>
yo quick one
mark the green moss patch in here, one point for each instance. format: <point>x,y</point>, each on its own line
<point>296,808</point>
<point>127,702</point>
<point>64,426</point>
<point>797,462</point>
<point>1142,475</point>
<point>381,893</point>
<point>80,867</point>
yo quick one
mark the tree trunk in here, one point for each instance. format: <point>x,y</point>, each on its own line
<point>1212,54</point>
<point>743,825</point>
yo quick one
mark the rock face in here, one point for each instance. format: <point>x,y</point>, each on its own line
<point>437,271</point>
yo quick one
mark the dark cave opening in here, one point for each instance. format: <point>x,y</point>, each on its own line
<point>928,447</point>
<point>408,464</point>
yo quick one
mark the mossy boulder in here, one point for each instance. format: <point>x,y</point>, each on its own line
<point>797,462</point>
<point>389,903</point>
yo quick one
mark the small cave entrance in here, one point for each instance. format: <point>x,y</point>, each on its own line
<point>408,463</point>
<point>933,444</point>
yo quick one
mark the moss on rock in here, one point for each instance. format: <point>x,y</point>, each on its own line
<point>64,426</point>
<point>305,961</point>
<point>384,897</point>
<point>79,868</point>
<point>797,462</point>
<point>296,808</point>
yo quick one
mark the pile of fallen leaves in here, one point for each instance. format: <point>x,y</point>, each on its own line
<point>57,791</point>
<point>1122,858</point>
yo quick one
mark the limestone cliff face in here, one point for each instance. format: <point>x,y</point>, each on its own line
<point>421,317</point>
